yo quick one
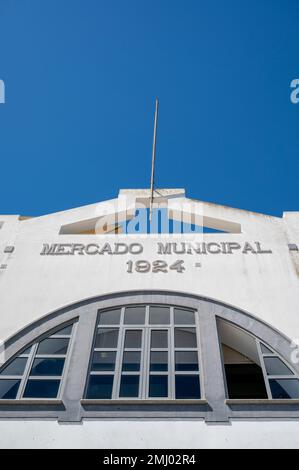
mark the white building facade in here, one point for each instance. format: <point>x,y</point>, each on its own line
<point>119,336</point>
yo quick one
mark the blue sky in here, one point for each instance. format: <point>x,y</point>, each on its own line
<point>81,78</point>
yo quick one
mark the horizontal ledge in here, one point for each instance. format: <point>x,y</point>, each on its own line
<point>87,401</point>
<point>262,401</point>
<point>30,401</point>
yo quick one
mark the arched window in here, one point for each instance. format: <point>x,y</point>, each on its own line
<point>253,369</point>
<point>37,371</point>
<point>145,352</point>
<point>157,354</point>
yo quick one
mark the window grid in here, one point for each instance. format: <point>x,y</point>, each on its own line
<point>30,354</point>
<point>267,377</point>
<point>145,350</point>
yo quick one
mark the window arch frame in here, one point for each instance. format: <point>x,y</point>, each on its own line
<point>267,377</point>
<point>213,407</point>
<point>145,349</point>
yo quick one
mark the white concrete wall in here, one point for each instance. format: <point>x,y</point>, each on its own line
<point>265,285</point>
<point>149,434</point>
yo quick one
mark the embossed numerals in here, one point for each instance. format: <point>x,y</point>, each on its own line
<point>157,266</point>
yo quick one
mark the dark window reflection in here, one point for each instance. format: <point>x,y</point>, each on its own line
<point>131,361</point>
<point>103,360</point>
<point>159,361</point>
<point>187,386</point>
<point>129,386</point>
<point>107,338</point>
<point>47,366</point>
<point>53,346</point>
<point>158,386</point>
<point>41,389</point>
<point>16,367</point>
<point>9,388</point>
<point>186,360</point>
<point>284,388</point>
<point>100,386</point>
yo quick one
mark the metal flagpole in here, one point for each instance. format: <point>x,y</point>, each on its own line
<point>154,159</point>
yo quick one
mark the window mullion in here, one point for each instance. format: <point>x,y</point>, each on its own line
<point>267,385</point>
<point>27,370</point>
<point>145,358</point>
<point>119,356</point>
<point>171,357</point>
<point>67,359</point>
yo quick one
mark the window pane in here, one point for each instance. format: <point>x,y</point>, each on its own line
<point>159,315</point>
<point>185,338</point>
<point>158,386</point>
<point>186,360</point>
<point>100,386</point>
<point>9,388</point>
<point>65,331</point>
<point>284,388</point>
<point>47,367</point>
<point>41,388</point>
<point>159,360</point>
<point>16,367</point>
<point>103,360</point>
<point>159,339</point>
<point>187,386</point>
<point>133,339</point>
<point>131,361</point>
<point>110,317</point>
<point>265,350</point>
<point>183,317</point>
<point>107,338</point>
<point>274,366</point>
<point>134,315</point>
<point>53,346</point>
<point>129,386</point>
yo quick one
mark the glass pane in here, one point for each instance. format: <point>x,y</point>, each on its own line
<point>159,315</point>
<point>187,386</point>
<point>65,331</point>
<point>158,386</point>
<point>183,317</point>
<point>103,360</point>
<point>284,388</point>
<point>110,317</point>
<point>129,386</point>
<point>53,346</point>
<point>107,338</point>
<point>100,386</point>
<point>134,315</point>
<point>9,388</point>
<point>133,339</point>
<point>265,350</point>
<point>159,339</point>
<point>185,338</point>
<point>131,361</point>
<point>159,360</point>
<point>186,360</point>
<point>16,367</point>
<point>47,367</point>
<point>274,366</point>
<point>41,388</point>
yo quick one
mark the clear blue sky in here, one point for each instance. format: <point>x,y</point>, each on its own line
<point>81,77</point>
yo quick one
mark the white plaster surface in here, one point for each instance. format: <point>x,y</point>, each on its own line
<point>149,434</point>
<point>265,285</point>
